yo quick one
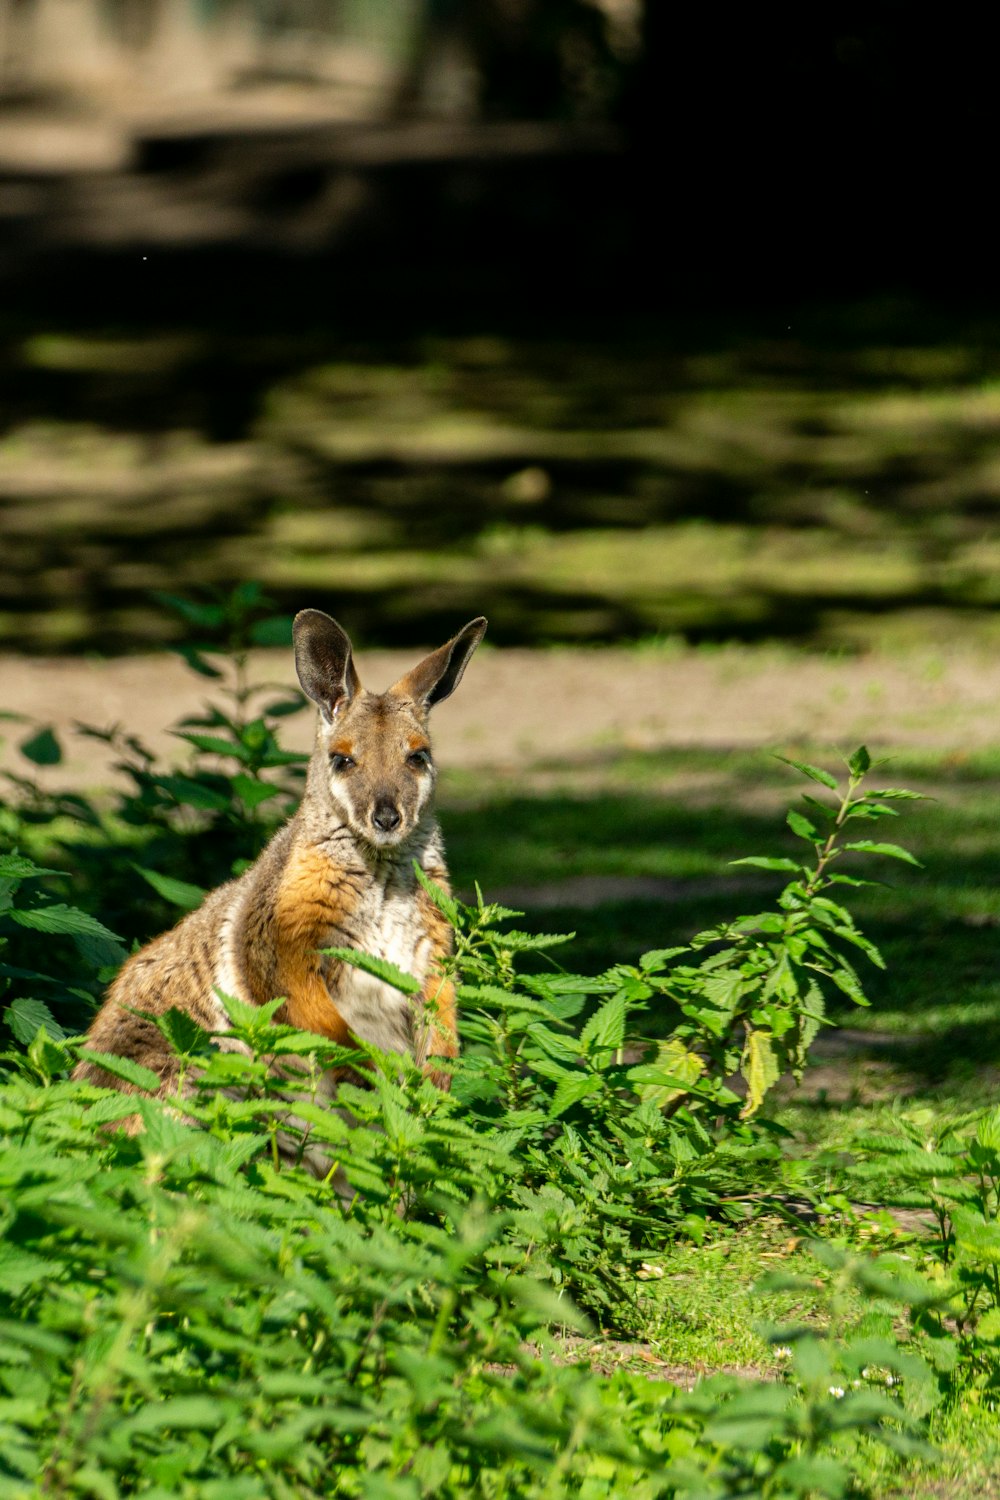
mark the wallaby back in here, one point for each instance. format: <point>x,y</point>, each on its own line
<point>338,874</point>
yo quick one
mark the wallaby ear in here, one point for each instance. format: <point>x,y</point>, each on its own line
<point>439,674</point>
<point>324,662</point>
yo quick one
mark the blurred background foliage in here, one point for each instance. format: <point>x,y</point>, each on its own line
<point>613,320</point>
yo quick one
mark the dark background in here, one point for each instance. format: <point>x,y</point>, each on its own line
<point>614,192</point>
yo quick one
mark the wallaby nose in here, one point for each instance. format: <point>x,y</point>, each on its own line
<point>385,817</point>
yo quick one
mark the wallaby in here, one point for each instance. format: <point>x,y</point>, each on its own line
<point>338,874</point>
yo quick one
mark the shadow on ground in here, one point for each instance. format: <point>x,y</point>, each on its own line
<point>830,480</point>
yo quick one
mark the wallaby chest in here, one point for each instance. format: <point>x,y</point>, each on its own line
<point>388,924</point>
<point>324,902</point>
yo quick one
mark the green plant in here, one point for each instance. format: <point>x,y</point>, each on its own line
<point>946,1173</point>
<point>92,949</point>
<point>293,1300</point>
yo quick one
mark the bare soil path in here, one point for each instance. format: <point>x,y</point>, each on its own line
<point>518,710</point>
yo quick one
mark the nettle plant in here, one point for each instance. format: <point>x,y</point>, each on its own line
<point>162,835</point>
<point>618,1139</point>
<point>946,1172</point>
<point>192,1311</point>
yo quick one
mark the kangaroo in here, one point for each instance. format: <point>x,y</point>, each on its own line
<point>338,874</point>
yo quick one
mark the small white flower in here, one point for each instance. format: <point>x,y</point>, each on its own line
<point>837,1390</point>
<point>891,1380</point>
<point>783,1352</point>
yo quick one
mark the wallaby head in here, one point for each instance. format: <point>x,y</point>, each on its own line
<point>373,757</point>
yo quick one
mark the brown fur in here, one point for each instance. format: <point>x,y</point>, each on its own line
<point>339,874</point>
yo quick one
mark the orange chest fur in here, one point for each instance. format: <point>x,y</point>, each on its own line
<point>321,905</point>
<point>316,900</point>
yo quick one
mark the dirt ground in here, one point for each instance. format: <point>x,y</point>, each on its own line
<point>518,709</point>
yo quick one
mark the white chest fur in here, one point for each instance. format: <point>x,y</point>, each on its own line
<point>388,926</point>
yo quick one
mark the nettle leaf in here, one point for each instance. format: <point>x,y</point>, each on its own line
<point>42,749</point>
<point>380,968</point>
<point>213,744</point>
<point>444,903</point>
<point>531,942</point>
<point>125,1069</point>
<point>866,808</point>
<point>281,708</point>
<point>802,827</point>
<point>26,1016</point>
<point>17,867</point>
<point>100,953</point>
<point>892,851</point>
<point>570,1091</point>
<point>177,892</point>
<point>190,793</point>
<point>672,1074</point>
<point>185,1036</point>
<point>658,958</point>
<point>760,1068</point>
<point>62,919</point>
<point>767,862</point>
<point>276,630</point>
<point>241,1013</point>
<point>251,792</point>
<point>860,762</point>
<point>606,1027</point>
<point>815,773</point>
<point>196,660</point>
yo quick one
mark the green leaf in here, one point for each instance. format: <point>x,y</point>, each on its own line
<point>767,862</point>
<point>190,793</point>
<point>252,792</point>
<point>186,1037</point>
<point>658,958</point>
<point>197,662</point>
<point>802,827</point>
<point>43,749</point>
<point>988,1327</point>
<point>243,1014</point>
<point>860,762</point>
<point>672,1074</point>
<point>381,968</point>
<point>274,631</point>
<point>570,1091</point>
<point>815,773</point>
<point>761,1070</point>
<point>444,903</point>
<point>178,1412</point>
<point>204,616</point>
<point>125,1069</point>
<point>282,707</point>
<point>606,1027</point>
<point>17,867</point>
<point>213,744</point>
<point>25,1016</point>
<point>59,918</point>
<point>177,892</point>
<point>893,851</point>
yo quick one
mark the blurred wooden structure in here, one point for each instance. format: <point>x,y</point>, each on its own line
<point>171,48</point>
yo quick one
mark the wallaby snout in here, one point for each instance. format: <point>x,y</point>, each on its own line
<point>385,816</point>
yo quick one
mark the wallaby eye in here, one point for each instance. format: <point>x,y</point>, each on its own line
<point>418,759</point>
<point>342,762</point>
